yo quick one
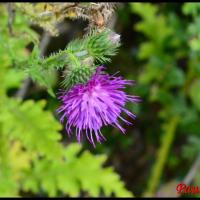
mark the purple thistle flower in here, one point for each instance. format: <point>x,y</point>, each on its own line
<point>98,102</point>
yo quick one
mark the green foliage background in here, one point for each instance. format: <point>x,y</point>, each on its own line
<point>160,50</point>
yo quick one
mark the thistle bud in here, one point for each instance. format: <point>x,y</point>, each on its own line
<point>77,75</point>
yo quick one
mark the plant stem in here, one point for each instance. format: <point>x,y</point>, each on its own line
<point>157,170</point>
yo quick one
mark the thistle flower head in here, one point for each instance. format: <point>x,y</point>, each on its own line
<point>98,102</point>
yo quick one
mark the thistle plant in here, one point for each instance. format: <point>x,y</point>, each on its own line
<point>89,97</point>
<point>93,98</point>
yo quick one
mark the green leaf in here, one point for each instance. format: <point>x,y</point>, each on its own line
<point>146,49</point>
<point>75,173</point>
<point>13,78</point>
<point>34,127</point>
<point>174,77</point>
<point>153,25</point>
<point>153,70</point>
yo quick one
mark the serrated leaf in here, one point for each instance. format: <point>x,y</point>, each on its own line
<point>33,126</point>
<point>75,173</point>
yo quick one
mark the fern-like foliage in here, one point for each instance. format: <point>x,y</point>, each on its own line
<point>73,174</point>
<point>25,122</point>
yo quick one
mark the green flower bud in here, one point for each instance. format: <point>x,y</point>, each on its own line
<point>77,75</point>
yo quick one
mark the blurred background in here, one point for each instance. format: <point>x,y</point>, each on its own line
<point>161,51</point>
